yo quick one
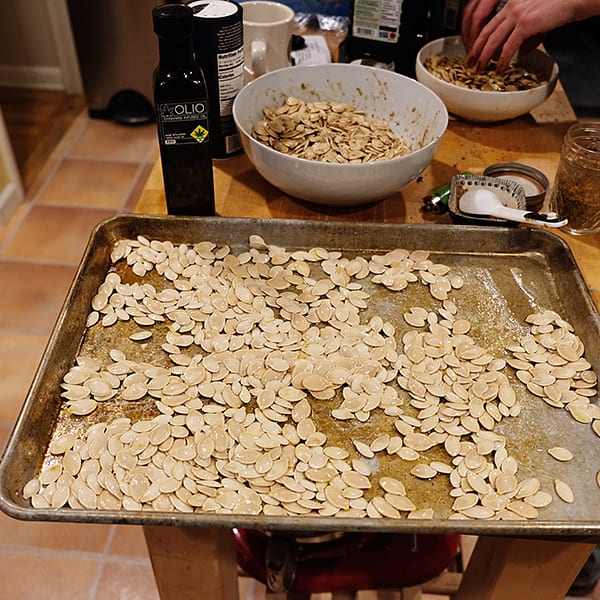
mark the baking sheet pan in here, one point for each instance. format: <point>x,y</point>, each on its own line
<point>509,273</point>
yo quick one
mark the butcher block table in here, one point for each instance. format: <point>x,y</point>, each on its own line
<point>193,562</point>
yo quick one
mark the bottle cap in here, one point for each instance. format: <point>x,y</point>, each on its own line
<point>173,21</point>
<point>533,180</point>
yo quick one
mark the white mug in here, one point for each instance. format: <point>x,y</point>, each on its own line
<point>267,36</point>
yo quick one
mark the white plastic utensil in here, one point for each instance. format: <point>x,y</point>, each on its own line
<point>484,202</point>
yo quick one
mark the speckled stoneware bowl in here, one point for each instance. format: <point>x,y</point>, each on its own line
<point>487,106</point>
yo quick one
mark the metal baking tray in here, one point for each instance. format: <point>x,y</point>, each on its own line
<point>509,273</point>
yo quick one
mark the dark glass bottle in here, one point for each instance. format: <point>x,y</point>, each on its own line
<point>181,104</point>
<point>390,34</point>
<point>451,17</point>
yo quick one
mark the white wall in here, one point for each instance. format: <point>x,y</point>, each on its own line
<point>36,46</point>
<point>36,51</point>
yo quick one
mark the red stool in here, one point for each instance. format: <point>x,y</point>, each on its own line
<point>343,562</point>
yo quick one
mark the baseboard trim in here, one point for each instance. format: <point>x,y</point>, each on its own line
<point>32,77</point>
<point>10,198</point>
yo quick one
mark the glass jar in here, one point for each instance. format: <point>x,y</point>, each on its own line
<point>576,190</point>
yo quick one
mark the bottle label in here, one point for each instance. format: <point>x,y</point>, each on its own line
<point>452,16</point>
<point>377,20</point>
<point>183,122</point>
<point>219,51</point>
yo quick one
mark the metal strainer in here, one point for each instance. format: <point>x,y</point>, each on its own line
<point>480,199</point>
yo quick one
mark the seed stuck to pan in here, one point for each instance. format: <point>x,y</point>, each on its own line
<point>563,491</point>
<point>561,454</point>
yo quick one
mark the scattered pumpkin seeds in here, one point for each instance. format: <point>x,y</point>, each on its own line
<point>249,361</point>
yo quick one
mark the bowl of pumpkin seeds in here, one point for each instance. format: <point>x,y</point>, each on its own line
<point>486,95</point>
<point>339,134</point>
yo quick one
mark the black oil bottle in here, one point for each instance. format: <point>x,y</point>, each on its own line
<point>390,34</point>
<point>181,104</point>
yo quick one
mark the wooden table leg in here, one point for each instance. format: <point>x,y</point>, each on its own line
<point>514,568</point>
<point>193,562</point>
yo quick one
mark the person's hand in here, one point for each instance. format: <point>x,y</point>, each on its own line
<point>517,22</point>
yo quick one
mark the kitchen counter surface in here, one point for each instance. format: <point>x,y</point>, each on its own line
<point>534,139</point>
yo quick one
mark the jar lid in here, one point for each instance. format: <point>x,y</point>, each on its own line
<point>534,182</point>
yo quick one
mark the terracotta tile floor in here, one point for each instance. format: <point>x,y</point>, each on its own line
<point>97,171</point>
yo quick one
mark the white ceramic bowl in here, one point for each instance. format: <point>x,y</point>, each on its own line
<point>414,113</point>
<point>477,105</point>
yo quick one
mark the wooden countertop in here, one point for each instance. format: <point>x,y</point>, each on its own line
<point>533,139</point>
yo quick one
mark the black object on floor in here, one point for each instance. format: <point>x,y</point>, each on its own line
<point>588,577</point>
